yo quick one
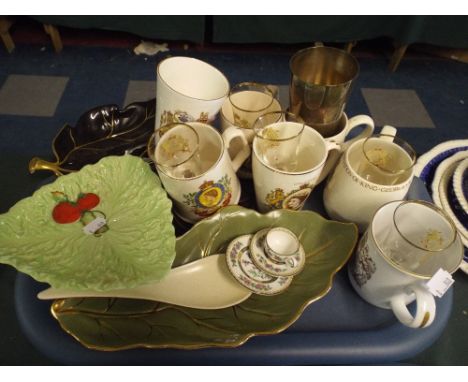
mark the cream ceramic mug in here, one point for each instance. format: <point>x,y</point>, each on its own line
<point>281,189</point>
<point>227,114</point>
<point>393,263</point>
<point>353,197</point>
<point>227,120</point>
<point>206,179</point>
<point>188,90</point>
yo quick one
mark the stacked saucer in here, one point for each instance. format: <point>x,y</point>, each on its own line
<point>444,170</point>
<point>265,262</point>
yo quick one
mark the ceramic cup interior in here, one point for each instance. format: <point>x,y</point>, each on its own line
<point>193,78</point>
<point>227,115</point>
<point>311,152</point>
<point>278,136</point>
<point>383,161</point>
<point>200,147</point>
<point>251,97</point>
<point>281,242</point>
<point>177,152</point>
<point>417,237</point>
<point>386,159</point>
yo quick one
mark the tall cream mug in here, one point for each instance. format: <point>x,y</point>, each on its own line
<point>288,158</point>
<point>195,168</point>
<point>370,173</point>
<point>406,243</point>
<point>188,90</point>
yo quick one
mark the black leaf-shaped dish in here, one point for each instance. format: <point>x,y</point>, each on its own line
<point>100,132</point>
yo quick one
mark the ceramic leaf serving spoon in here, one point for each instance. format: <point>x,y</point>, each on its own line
<point>202,284</point>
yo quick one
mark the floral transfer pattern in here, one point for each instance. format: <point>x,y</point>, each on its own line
<point>240,122</point>
<point>246,272</point>
<point>364,267</point>
<point>261,259</point>
<point>293,200</point>
<point>168,117</point>
<point>210,197</point>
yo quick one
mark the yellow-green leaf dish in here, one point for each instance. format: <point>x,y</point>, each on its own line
<point>117,324</point>
<point>132,242</point>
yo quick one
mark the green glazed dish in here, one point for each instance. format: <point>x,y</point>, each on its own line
<point>43,235</point>
<point>117,324</point>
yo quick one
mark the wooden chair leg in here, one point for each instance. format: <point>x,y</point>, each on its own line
<point>5,25</point>
<point>349,46</point>
<point>396,57</point>
<point>54,34</point>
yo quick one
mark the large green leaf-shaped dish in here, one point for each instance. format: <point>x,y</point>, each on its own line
<point>115,324</point>
<point>138,247</point>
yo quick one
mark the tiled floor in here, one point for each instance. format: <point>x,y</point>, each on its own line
<point>396,107</point>
<point>140,91</point>
<point>31,95</point>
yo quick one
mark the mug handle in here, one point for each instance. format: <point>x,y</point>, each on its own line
<point>356,121</point>
<point>425,308</point>
<point>329,165</point>
<point>228,135</point>
<point>388,130</point>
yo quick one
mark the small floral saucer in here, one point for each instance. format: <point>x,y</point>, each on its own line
<point>270,266</point>
<point>242,267</point>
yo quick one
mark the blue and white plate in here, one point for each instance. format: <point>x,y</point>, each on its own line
<point>444,198</point>
<point>427,164</point>
<point>426,169</point>
<point>460,184</point>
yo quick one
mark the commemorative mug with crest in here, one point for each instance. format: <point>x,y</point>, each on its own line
<point>288,158</point>
<point>405,245</point>
<point>370,173</point>
<point>188,90</point>
<point>195,168</point>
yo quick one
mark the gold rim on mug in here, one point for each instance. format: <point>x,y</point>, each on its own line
<point>437,210</point>
<point>398,141</point>
<point>388,259</point>
<point>353,172</point>
<point>151,141</point>
<point>299,121</point>
<point>199,61</point>
<point>290,117</point>
<point>233,123</point>
<point>152,146</point>
<point>254,85</point>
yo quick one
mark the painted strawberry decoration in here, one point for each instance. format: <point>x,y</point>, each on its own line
<point>67,211</point>
<point>87,202</point>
